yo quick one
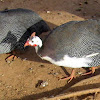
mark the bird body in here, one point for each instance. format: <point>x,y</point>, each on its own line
<point>16,25</point>
<point>74,44</point>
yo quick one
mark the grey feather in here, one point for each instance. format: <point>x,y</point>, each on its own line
<point>16,25</point>
<point>75,39</point>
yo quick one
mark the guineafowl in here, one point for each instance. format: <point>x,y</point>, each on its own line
<point>16,25</point>
<point>74,44</point>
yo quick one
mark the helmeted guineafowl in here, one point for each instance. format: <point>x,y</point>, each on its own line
<point>74,44</point>
<point>16,25</point>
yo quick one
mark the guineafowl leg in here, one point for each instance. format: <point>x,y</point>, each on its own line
<point>91,72</point>
<point>12,57</point>
<point>70,77</point>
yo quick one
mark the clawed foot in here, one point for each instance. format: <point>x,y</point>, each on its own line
<point>70,77</point>
<point>88,73</point>
<point>10,58</point>
<point>91,72</point>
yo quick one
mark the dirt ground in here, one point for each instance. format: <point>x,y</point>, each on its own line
<point>30,78</point>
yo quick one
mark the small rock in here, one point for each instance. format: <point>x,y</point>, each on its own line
<point>30,70</point>
<point>1,0</point>
<point>44,84</point>
<point>85,2</point>
<point>42,66</point>
<point>1,74</point>
<point>49,73</point>
<point>73,16</point>
<point>48,12</point>
<point>59,13</point>
<point>41,84</point>
<point>80,3</point>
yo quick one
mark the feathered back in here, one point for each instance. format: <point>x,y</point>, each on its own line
<point>75,39</point>
<point>16,26</point>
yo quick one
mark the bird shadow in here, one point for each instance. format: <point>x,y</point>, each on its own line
<point>27,52</point>
<point>60,90</point>
<point>30,55</point>
<point>81,8</point>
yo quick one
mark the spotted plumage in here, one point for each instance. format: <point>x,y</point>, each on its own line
<point>74,44</point>
<point>16,25</point>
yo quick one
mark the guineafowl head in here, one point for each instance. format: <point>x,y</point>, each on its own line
<point>33,41</point>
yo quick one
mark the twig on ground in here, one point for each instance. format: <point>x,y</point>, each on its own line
<point>74,94</point>
<point>65,95</point>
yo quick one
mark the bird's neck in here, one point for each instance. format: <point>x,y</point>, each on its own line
<point>37,49</point>
<point>38,46</point>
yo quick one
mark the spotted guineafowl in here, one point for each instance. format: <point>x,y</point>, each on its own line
<point>16,25</point>
<point>74,44</point>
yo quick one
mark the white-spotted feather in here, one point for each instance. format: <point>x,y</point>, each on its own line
<point>73,62</point>
<point>91,55</point>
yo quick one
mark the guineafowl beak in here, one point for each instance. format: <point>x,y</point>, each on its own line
<point>26,44</point>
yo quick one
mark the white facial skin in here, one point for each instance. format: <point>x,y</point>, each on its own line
<point>35,41</point>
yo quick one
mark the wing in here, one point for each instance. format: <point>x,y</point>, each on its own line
<point>76,39</point>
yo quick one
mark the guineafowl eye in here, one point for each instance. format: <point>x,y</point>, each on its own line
<point>32,41</point>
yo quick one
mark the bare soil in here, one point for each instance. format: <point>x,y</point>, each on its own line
<point>33,78</point>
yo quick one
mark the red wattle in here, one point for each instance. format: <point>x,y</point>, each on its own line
<point>35,45</point>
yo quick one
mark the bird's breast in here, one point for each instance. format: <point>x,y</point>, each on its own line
<point>67,61</point>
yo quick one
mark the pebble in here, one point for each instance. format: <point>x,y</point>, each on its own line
<point>1,74</point>
<point>1,0</point>
<point>41,66</point>
<point>44,84</point>
<point>59,13</point>
<point>48,12</point>
<point>41,84</point>
<point>30,70</point>
<point>73,16</point>
<point>85,2</point>
<point>80,3</point>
